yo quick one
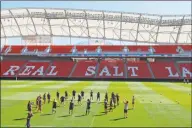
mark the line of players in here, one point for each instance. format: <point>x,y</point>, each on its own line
<point>114,101</point>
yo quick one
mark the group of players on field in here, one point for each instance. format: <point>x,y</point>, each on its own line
<point>113,102</point>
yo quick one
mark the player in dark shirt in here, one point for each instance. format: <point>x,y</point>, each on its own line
<point>114,102</point>
<point>28,119</point>
<point>117,97</point>
<point>62,99</point>
<point>82,94</point>
<point>88,107</point>
<point>66,94</point>
<point>112,95</point>
<point>73,92</point>
<point>106,96</point>
<point>133,102</point>
<point>40,105</point>
<point>29,106</point>
<point>105,106</point>
<point>49,97</point>
<point>91,95</point>
<point>54,106</point>
<point>71,106</point>
<point>37,102</point>
<point>98,96</point>
<point>57,94</point>
<point>44,98</point>
<point>79,99</point>
<point>111,104</point>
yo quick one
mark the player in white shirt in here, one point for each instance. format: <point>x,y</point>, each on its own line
<point>125,108</point>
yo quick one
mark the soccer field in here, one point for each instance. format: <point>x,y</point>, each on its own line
<point>157,104</point>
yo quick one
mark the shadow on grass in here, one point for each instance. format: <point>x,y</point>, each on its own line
<point>19,119</point>
<point>117,119</point>
<point>65,116</point>
<point>80,115</point>
<point>100,114</point>
<point>46,114</point>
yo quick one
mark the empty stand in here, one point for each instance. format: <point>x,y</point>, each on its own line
<point>111,69</point>
<point>85,68</point>
<point>164,70</point>
<point>138,69</point>
<point>60,69</point>
<point>11,68</point>
<point>185,69</point>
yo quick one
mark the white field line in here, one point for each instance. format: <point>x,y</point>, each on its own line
<point>175,87</point>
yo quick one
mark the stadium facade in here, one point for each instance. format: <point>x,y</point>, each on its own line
<point>166,54</point>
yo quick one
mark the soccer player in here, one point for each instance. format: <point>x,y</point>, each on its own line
<point>105,106</point>
<point>37,101</point>
<point>40,105</point>
<point>111,105</point>
<point>57,94</point>
<point>113,98</point>
<point>117,96</point>
<point>106,96</point>
<point>79,99</point>
<point>91,95</point>
<point>125,108</point>
<point>114,101</point>
<point>98,96</point>
<point>73,92</point>
<point>44,98</point>
<point>71,106</point>
<point>29,106</point>
<point>30,114</point>
<point>62,99</point>
<point>66,94</point>
<point>54,106</point>
<point>88,107</point>
<point>49,97</point>
<point>82,94</point>
<point>133,102</point>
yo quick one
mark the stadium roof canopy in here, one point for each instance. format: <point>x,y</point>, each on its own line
<point>120,26</point>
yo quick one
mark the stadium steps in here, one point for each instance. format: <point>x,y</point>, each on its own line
<point>125,68</point>
<point>51,63</point>
<point>150,70</point>
<point>74,67</point>
<point>97,69</point>
<point>177,68</point>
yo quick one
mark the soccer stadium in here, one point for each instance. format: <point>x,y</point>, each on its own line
<point>109,69</point>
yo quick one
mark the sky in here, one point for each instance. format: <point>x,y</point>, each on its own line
<point>152,7</point>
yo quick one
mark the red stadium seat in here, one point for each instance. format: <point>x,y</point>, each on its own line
<point>164,70</point>
<point>186,70</point>
<point>85,69</point>
<point>138,70</point>
<point>34,69</point>
<point>11,68</point>
<point>60,69</point>
<point>111,69</point>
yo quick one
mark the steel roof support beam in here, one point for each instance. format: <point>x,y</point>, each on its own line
<point>16,22</point>
<point>3,30</point>
<point>32,21</point>
<point>157,33</point>
<point>121,27</point>
<point>48,20</point>
<point>138,28</point>
<point>179,31</point>
<point>104,25</point>
<point>87,26</point>
<point>68,25</point>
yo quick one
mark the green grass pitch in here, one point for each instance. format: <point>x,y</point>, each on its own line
<point>157,104</point>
